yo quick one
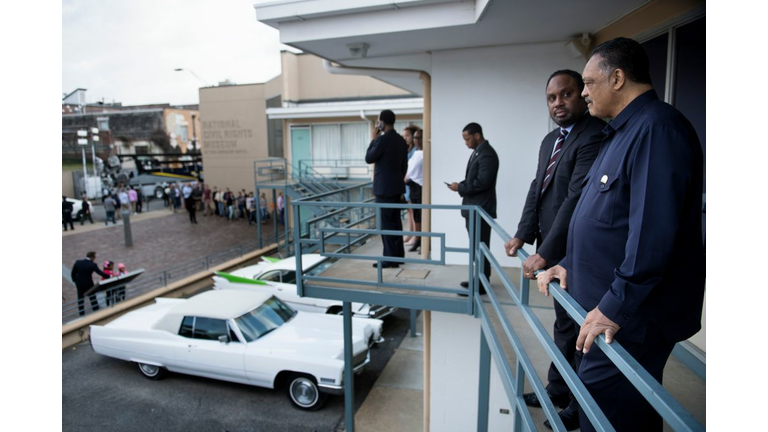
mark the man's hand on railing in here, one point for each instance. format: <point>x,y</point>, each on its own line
<point>544,278</point>
<point>533,263</point>
<point>593,326</point>
<point>513,245</point>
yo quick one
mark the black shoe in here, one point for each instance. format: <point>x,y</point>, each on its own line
<point>570,418</point>
<point>464,284</point>
<point>414,247</point>
<point>386,265</point>
<point>533,401</point>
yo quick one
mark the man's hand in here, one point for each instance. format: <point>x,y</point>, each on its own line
<point>594,325</point>
<point>375,132</point>
<point>543,279</point>
<point>454,187</point>
<point>533,263</point>
<point>513,245</point>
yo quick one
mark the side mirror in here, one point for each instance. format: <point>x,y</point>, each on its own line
<point>224,339</point>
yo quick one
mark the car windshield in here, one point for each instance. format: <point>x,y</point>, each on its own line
<point>264,319</point>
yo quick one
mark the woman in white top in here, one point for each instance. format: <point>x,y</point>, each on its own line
<point>414,179</point>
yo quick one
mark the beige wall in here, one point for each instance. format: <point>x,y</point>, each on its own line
<point>306,79</point>
<point>234,134</point>
<point>170,116</point>
<point>67,184</point>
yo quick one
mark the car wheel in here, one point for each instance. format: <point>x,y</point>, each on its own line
<point>335,310</point>
<point>151,371</point>
<point>159,192</point>
<point>303,392</point>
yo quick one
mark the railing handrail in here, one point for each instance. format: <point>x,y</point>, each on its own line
<point>663,402</point>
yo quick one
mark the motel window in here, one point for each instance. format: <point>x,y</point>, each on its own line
<point>345,141</point>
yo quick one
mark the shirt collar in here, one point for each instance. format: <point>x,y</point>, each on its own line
<point>630,110</point>
<point>480,147</point>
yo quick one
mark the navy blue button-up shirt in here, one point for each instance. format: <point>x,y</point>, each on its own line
<point>635,248</point>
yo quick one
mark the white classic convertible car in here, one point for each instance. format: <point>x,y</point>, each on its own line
<point>241,336</point>
<point>278,277</point>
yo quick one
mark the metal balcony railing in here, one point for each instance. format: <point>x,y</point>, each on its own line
<point>490,313</point>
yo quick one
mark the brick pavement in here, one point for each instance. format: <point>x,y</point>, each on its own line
<point>159,242</point>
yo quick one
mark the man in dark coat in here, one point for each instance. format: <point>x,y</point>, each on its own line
<point>565,156</point>
<point>66,213</point>
<point>389,152</point>
<point>479,184</point>
<point>82,276</point>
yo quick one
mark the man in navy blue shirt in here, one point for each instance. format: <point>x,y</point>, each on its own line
<point>634,256</point>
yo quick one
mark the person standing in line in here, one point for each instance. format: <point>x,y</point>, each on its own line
<point>66,213</point>
<point>85,211</point>
<point>82,276</point>
<point>281,208</point>
<point>123,200</point>
<point>139,199</point>
<point>565,156</point>
<point>479,185</point>
<point>241,204</point>
<point>109,207</point>
<point>635,255</point>
<point>229,198</point>
<point>189,203</point>
<point>207,200</point>
<point>219,197</point>
<point>132,198</point>
<point>166,195</point>
<point>249,207</point>
<point>414,179</point>
<point>263,208</point>
<point>175,197</point>
<point>390,154</point>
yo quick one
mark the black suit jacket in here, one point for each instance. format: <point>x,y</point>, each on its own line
<point>390,154</point>
<point>546,215</point>
<point>479,185</point>
<point>82,273</point>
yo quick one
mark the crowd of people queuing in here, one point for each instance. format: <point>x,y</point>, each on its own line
<point>614,211</point>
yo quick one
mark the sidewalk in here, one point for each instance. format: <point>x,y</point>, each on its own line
<point>396,401</point>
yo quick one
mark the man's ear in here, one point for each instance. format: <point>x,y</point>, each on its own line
<point>618,79</point>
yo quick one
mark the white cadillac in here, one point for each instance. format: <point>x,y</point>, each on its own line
<point>241,336</point>
<point>278,277</point>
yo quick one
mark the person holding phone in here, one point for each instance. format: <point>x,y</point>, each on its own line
<point>389,152</point>
<point>479,185</point>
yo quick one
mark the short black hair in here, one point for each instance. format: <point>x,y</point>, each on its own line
<point>625,54</point>
<point>573,74</point>
<point>91,255</point>
<point>473,128</point>
<point>388,117</point>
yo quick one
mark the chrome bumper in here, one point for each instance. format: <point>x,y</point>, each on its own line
<point>339,389</point>
<point>379,312</point>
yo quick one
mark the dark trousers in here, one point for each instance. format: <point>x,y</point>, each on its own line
<point>565,333</point>
<point>66,219</point>
<point>192,209</point>
<point>485,237</point>
<point>625,408</point>
<point>390,220</point>
<point>84,216</point>
<point>81,302</point>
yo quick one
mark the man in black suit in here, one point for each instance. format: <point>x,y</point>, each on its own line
<point>565,157</point>
<point>66,213</point>
<point>479,184</point>
<point>389,152</point>
<point>82,276</point>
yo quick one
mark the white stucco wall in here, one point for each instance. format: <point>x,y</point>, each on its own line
<point>501,88</point>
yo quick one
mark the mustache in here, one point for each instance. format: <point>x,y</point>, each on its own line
<point>588,100</point>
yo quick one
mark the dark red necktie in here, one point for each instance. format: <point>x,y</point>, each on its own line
<point>553,159</point>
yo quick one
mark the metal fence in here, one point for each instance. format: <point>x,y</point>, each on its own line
<point>152,281</point>
<point>513,375</point>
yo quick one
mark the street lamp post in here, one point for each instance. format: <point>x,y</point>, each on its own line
<point>82,141</point>
<point>94,139</point>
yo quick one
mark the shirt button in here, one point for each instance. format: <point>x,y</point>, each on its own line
<point>602,186</point>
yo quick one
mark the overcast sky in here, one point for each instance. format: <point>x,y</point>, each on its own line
<point>127,50</point>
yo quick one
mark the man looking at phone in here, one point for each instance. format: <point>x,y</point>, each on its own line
<point>565,156</point>
<point>389,152</point>
<point>479,185</point>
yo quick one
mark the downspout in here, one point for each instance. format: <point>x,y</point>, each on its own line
<point>426,219</point>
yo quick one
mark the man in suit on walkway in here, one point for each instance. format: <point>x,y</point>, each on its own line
<point>389,152</point>
<point>82,276</point>
<point>479,184</point>
<point>565,156</point>
<point>634,255</point>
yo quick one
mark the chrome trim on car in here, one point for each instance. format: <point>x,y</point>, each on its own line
<point>379,312</point>
<point>331,389</point>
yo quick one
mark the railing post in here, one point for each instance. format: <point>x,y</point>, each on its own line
<point>519,389</point>
<point>258,217</point>
<point>297,249</point>
<point>472,251</point>
<point>483,395</point>
<point>349,376</point>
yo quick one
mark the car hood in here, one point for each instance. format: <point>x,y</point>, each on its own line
<point>316,335</point>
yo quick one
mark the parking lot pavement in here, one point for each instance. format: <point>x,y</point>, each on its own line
<point>100,393</point>
<point>161,240</point>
